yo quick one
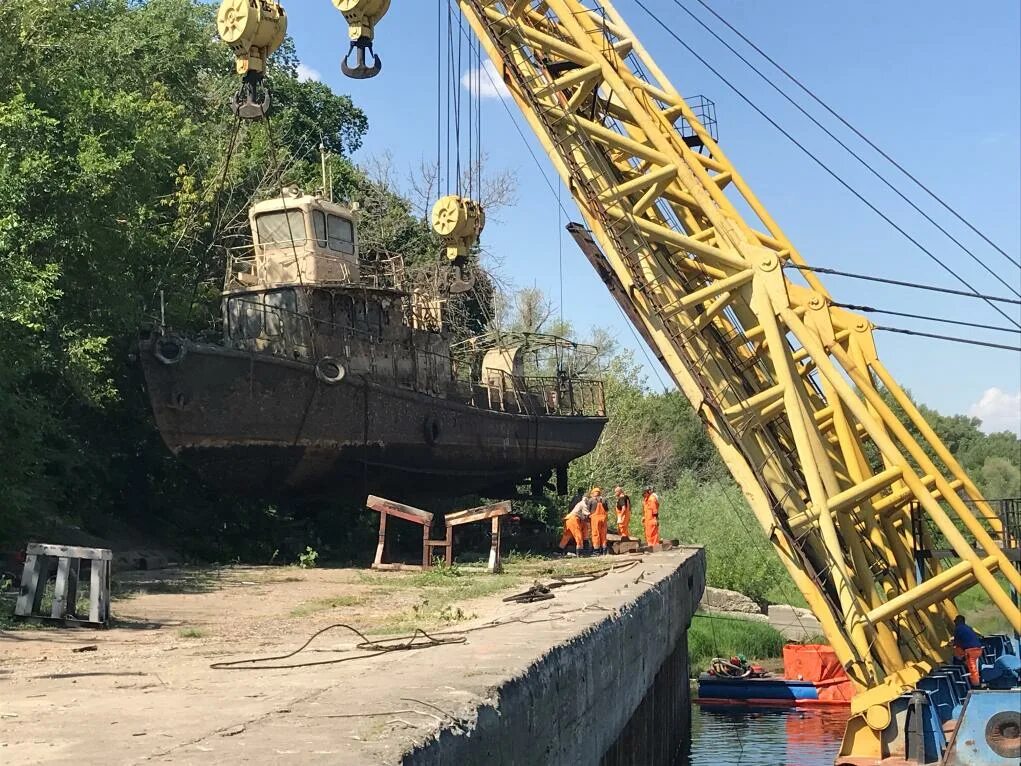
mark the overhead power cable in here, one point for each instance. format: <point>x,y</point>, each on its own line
<point>817,161</point>
<point>899,283</point>
<point>848,149</point>
<point>953,338</point>
<point>858,133</point>
<point>944,320</point>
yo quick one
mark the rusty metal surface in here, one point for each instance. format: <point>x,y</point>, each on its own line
<point>256,422</point>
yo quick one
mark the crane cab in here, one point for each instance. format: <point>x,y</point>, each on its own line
<point>302,239</point>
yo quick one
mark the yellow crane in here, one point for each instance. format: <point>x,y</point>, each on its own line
<point>790,388</point>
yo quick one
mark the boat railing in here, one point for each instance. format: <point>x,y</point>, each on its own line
<point>382,271</point>
<point>539,395</point>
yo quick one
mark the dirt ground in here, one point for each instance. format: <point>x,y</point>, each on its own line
<point>143,690</point>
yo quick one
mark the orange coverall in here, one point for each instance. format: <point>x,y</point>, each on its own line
<point>598,522</point>
<point>650,518</point>
<point>971,658</point>
<point>624,516</point>
<point>574,527</point>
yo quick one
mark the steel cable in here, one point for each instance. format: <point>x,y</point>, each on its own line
<point>829,171</point>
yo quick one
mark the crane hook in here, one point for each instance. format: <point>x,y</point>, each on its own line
<point>252,101</point>
<point>360,71</point>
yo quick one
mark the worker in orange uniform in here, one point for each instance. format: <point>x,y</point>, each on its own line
<point>574,526</point>
<point>597,518</point>
<point>968,647</point>
<point>650,516</point>
<point>623,512</point>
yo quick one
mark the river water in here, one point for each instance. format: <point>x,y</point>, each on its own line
<point>763,737</point>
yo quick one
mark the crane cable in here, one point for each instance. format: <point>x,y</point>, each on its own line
<point>900,283</point>
<point>849,150</point>
<point>858,133</point>
<point>944,320</point>
<point>817,161</point>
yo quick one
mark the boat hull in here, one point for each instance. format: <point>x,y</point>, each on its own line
<point>257,423</point>
<point>760,692</point>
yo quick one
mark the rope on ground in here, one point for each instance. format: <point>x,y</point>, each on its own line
<point>418,640</point>
<point>544,591</point>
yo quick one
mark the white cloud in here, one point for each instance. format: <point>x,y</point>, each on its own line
<point>306,73</point>
<point>998,411</point>
<point>485,84</point>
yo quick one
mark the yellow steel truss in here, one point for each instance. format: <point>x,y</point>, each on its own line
<point>790,388</point>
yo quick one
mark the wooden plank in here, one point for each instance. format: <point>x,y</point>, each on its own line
<point>427,559</point>
<point>74,569</point>
<point>625,546</point>
<point>381,542</point>
<point>69,551</point>
<point>495,561</point>
<point>406,512</point>
<point>478,514</point>
<point>59,608</point>
<point>31,588</point>
<point>398,567</point>
<point>98,608</point>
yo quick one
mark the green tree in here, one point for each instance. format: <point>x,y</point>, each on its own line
<point>113,135</point>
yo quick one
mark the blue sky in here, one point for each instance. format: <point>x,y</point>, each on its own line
<point>936,89</point>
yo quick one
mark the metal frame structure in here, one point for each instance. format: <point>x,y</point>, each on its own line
<point>789,387</point>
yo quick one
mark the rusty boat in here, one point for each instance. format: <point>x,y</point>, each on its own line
<point>330,377</point>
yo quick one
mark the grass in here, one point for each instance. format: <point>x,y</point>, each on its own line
<point>439,592</point>
<point>738,555</point>
<point>192,633</point>
<point>711,637</point>
<point>981,613</point>
<point>308,608</point>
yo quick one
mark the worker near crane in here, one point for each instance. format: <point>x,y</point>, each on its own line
<point>575,523</point>
<point>968,647</point>
<point>598,519</point>
<point>623,512</point>
<point>650,516</point>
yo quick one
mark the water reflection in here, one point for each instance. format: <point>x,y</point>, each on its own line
<point>763,737</point>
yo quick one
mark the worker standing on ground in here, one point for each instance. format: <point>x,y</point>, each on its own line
<point>623,512</point>
<point>968,647</point>
<point>598,519</point>
<point>574,526</point>
<point>650,516</point>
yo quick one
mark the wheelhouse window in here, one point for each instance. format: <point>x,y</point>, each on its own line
<point>341,234</point>
<point>319,226</point>
<point>282,228</point>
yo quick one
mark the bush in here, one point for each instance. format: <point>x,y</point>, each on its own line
<point>711,511</point>
<point>710,637</point>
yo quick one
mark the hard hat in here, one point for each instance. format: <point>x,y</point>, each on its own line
<point>597,491</point>
<point>647,488</point>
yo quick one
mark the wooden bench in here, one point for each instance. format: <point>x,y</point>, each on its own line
<point>495,513</point>
<point>386,508</point>
<point>34,577</point>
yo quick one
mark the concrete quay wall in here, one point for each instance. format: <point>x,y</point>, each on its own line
<point>614,693</point>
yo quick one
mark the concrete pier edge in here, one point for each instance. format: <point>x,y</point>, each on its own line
<point>615,693</point>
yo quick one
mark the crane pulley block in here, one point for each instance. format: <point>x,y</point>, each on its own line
<point>253,29</point>
<point>362,17</point>
<point>459,222</point>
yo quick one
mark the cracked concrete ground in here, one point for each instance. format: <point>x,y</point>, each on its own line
<point>147,693</point>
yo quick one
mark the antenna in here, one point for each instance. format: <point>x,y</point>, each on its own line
<point>327,177</point>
